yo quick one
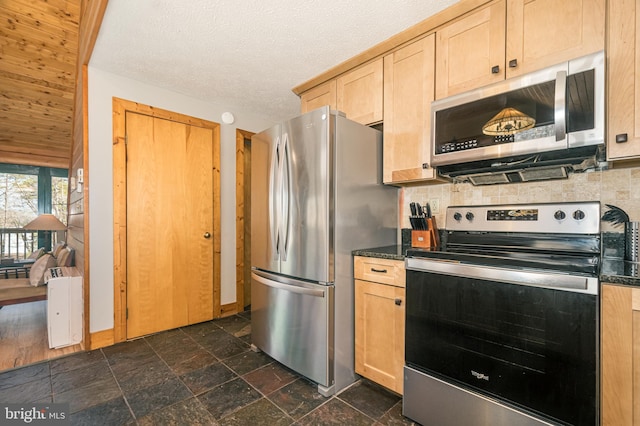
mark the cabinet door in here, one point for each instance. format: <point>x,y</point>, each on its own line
<point>379,333</point>
<point>319,96</point>
<point>541,33</point>
<point>620,355</point>
<point>470,51</point>
<point>623,52</point>
<point>359,93</point>
<point>408,93</point>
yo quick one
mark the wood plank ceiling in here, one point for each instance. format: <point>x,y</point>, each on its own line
<point>38,50</point>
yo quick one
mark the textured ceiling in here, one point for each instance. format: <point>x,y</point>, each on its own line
<point>245,54</point>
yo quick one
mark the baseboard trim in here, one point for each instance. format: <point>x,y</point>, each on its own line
<point>101,339</point>
<point>228,309</point>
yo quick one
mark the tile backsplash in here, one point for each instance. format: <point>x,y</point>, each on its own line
<point>619,187</point>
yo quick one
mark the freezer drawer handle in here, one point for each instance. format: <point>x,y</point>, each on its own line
<point>290,288</point>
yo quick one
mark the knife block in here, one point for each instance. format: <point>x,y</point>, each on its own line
<point>421,239</point>
<point>428,238</point>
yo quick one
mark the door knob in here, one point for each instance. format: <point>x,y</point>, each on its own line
<point>207,235</point>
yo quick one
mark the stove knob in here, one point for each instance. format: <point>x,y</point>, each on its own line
<point>457,216</point>
<point>559,215</point>
<point>578,215</point>
<point>469,216</point>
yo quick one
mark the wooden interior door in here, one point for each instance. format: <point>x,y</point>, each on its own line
<point>170,244</point>
<point>246,275</point>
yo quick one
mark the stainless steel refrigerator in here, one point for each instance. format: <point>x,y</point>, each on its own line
<point>316,195</point>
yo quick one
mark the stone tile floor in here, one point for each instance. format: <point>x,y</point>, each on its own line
<point>204,374</point>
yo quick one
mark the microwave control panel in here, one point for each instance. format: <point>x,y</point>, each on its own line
<point>475,143</point>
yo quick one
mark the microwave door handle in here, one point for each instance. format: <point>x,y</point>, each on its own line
<point>560,106</point>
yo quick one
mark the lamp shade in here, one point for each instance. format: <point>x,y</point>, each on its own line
<point>45,222</point>
<point>508,121</point>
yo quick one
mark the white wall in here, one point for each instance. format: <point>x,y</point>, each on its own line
<point>103,86</point>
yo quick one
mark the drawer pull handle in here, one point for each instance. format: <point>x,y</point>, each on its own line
<point>398,302</point>
<point>380,271</point>
<point>621,138</point>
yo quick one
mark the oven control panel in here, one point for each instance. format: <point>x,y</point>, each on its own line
<point>565,218</point>
<point>512,214</point>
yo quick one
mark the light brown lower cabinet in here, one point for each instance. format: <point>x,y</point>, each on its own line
<point>620,355</point>
<point>379,325</point>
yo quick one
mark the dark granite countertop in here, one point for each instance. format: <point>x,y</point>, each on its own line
<point>620,271</point>
<point>394,252</point>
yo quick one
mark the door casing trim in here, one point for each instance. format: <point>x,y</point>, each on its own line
<point>119,108</point>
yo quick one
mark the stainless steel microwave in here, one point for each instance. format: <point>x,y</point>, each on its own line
<point>552,110</point>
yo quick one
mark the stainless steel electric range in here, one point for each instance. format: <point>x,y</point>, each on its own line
<point>502,323</point>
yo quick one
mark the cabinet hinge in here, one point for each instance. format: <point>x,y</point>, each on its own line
<point>126,313</point>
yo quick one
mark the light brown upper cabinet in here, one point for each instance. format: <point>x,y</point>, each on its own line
<point>408,93</point>
<point>623,54</point>
<point>359,93</point>
<point>484,47</point>
<point>319,96</point>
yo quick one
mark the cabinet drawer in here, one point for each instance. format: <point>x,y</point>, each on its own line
<point>383,271</point>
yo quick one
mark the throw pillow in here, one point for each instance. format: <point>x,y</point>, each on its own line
<point>36,273</point>
<point>58,248</point>
<point>65,257</point>
<point>36,253</point>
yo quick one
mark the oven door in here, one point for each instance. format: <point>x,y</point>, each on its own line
<point>531,346</point>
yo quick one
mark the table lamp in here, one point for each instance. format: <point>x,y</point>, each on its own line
<point>46,222</point>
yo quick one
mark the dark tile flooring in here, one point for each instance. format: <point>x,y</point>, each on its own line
<point>204,374</point>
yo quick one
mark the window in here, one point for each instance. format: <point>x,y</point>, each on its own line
<point>18,198</point>
<point>25,192</point>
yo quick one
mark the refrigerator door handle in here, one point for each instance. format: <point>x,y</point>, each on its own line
<point>274,200</point>
<point>288,287</point>
<point>286,190</point>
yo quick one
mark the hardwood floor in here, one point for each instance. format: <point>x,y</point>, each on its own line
<point>23,336</point>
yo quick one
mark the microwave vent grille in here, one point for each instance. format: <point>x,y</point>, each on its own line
<point>543,174</point>
<point>488,179</point>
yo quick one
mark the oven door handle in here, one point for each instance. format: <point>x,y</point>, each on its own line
<point>574,283</point>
